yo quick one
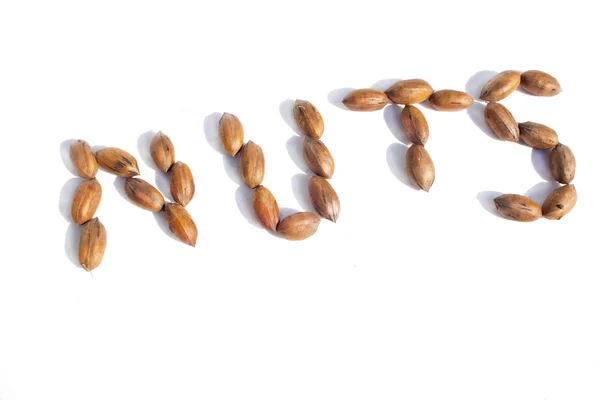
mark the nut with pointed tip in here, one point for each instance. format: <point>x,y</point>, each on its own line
<point>500,86</point>
<point>181,224</point>
<point>317,156</point>
<point>560,202</point>
<point>540,83</point>
<point>231,133</point>
<point>365,100</point>
<point>182,183</point>
<point>323,198</point>
<point>144,195</point>
<point>415,125</point>
<point>83,159</point>
<point>117,162</point>
<point>298,226</point>
<point>92,244</point>
<point>537,135</point>
<point>450,100</point>
<point>420,167</point>
<point>265,208</point>
<point>86,201</point>
<point>409,91</point>
<point>517,208</point>
<point>162,151</point>
<point>309,119</point>
<point>562,163</point>
<point>252,164</point>
<point>501,122</point>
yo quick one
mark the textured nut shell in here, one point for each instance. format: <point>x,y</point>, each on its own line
<point>500,86</point>
<point>231,133</point>
<point>501,122</point>
<point>317,156</point>
<point>92,244</point>
<point>562,163</point>
<point>539,83</point>
<point>181,224</point>
<point>560,202</point>
<point>420,167</point>
<point>309,119</point>
<point>83,159</point>
<point>517,208</point>
<point>365,100</point>
<point>409,91</point>
<point>162,151</point>
<point>298,226</point>
<point>450,100</point>
<point>323,198</point>
<point>415,125</point>
<point>144,195</point>
<point>117,162</point>
<point>252,164</point>
<point>86,201</point>
<point>537,135</point>
<point>182,183</point>
<point>265,208</point>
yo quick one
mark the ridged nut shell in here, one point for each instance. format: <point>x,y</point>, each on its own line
<point>517,208</point>
<point>537,135</point>
<point>117,162</point>
<point>92,244</point>
<point>323,198</point>
<point>317,156</point>
<point>265,208</point>
<point>562,163</point>
<point>309,119</point>
<point>420,167</point>
<point>162,151</point>
<point>365,100</point>
<point>450,100</point>
<point>252,164</point>
<point>415,125</point>
<point>500,86</point>
<point>560,202</point>
<point>86,201</point>
<point>182,183</point>
<point>144,195</point>
<point>409,91</point>
<point>181,224</point>
<point>231,133</point>
<point>540,83</point>
<point>83,159</point>
<point>298,226</point>
<point>501,122</point>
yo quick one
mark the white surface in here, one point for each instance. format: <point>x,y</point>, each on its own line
<point>410,296</point>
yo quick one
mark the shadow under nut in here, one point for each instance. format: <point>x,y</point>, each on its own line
<point>317,156</point>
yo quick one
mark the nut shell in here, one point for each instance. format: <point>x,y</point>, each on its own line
<point>517,208</point>
<point>86,201</point>
<point>420,167</point>
<point>92,244</point>
<point>83,159</point>
<point>501,122</point>
<point>500,86</point>
<point>562,163</point>
<point>317,156</point>
<point>540,83</point>
<point>365,100</point>
<point>450,100</point>
<point>231,133</point>
<point>415,125</point>
<point>144,195</point>
<point>409,91</point>
<point>252,164</point>
<point>265,208</point>
<point>560,202</point>
<point>182,183</point>
<point>309,119</point>
<point>324,198</point>
<point>117,162</point>
<point>162,151</point>
<point>537,135</point>
<point>298,226</point>
<point>181,224</point>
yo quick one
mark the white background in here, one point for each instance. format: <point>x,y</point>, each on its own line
<point>411,295</point>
